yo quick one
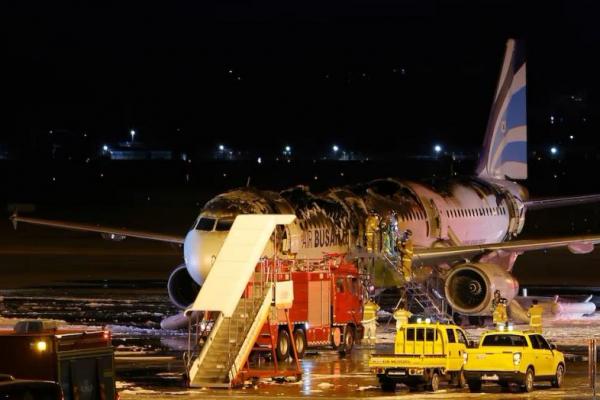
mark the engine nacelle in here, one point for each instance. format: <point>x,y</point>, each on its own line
<point>182,288</point>
<point>470,287</point>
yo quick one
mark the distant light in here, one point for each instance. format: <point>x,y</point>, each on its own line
<point>259,160</point>
<point>553,150</point>
<point>288,148</point>
<point>437,148</point>
<point>132,132</point>
<point>221,147</point>
<point>571,137</point>
<point>335,148</point>
<point>105,148</point>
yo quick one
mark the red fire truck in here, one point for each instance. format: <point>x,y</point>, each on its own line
<point>80,360</point>
<point>326,310</point>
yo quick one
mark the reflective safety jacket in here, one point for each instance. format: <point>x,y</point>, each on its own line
<point>401,315</point>
<point>370,311</point>
<point>535,315</point>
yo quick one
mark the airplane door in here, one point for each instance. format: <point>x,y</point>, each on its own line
<point>434,222</point>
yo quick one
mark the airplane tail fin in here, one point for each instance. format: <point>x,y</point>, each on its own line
<point>505,146</point>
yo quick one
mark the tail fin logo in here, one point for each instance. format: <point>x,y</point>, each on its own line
<point>505,146</point>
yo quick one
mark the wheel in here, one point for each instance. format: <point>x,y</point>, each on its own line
<point>348,339</point>
<point>434,382</point>
<point>557,381</point>
<point>388,385</point>
<point>527,385</point>
<point>300,339</point>
<point>461,382</point>
<point>336,337</point>
<point>283,345</point>
<point>474,386</point>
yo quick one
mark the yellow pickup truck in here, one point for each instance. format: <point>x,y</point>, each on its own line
<point>424,354</point>
<point>507,356</point>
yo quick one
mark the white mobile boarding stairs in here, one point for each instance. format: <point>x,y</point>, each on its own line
<point>239,321</point>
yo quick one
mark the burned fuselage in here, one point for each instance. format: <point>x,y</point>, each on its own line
<point>459,212</point>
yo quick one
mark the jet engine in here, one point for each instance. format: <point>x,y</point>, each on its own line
<point>470,287</point>
<point>182,288</point>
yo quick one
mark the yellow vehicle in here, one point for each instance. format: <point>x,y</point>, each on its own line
<point>424,354</point>
<point>505,356</point>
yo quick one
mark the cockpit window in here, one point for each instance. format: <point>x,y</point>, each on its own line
<point>205,224</point>
<point>224,224</point>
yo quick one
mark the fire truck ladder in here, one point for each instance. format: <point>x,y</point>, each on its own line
<point>228,341</point>
<point>422,295</point>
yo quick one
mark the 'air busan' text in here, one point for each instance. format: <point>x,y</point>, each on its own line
<point>324,237</point>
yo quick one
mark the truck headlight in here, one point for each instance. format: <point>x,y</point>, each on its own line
<point>41,346</point>
<point>516,358</point>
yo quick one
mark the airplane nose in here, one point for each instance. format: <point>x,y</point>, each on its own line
<point>200,249</point>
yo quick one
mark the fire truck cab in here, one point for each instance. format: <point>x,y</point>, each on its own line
<point>81,360</point>
<point>326,308</point>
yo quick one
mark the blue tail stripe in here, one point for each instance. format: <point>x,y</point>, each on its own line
<point>516,114</point>
<point>514,151</point>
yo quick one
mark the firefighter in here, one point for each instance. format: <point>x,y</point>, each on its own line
<point>370,321</point>
<point>405,247</point>
<point>372,231</point>
<point>392,234</point>
<point>535,317</point>
<point>401,314</point>
<point>384,231</point>
<point>499,314</point>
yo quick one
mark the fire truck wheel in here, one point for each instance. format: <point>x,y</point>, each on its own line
<point>300,338</point>
<point>283,345</point>
<point>336,337</point>
<point>348,339</point>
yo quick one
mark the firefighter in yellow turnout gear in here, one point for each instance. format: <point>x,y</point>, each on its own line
<point>405,248</point>
<point>499,314</point>
<point>372,232</point>
<point>370,321</point>
<point>401,315</point>
<point>535,317</point>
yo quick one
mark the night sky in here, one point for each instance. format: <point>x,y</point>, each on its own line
<point>367,74</point>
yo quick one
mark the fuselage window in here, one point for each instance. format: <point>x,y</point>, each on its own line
<point>205,224</point>
<point>224,224</point>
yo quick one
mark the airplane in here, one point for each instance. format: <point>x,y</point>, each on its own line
<point>464,229</point>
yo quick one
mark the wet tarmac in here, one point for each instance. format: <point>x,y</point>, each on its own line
<point>149,364</point>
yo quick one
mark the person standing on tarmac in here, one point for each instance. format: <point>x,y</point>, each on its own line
<point>405,247</point>
<point>535,317</point>
<point>499,314</point>
<point>370,321</point>
<point>401,314</point>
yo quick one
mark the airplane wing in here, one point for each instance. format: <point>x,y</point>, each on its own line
<point>551,202</point>
<point>106,232</point>
<point>576,244</point>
